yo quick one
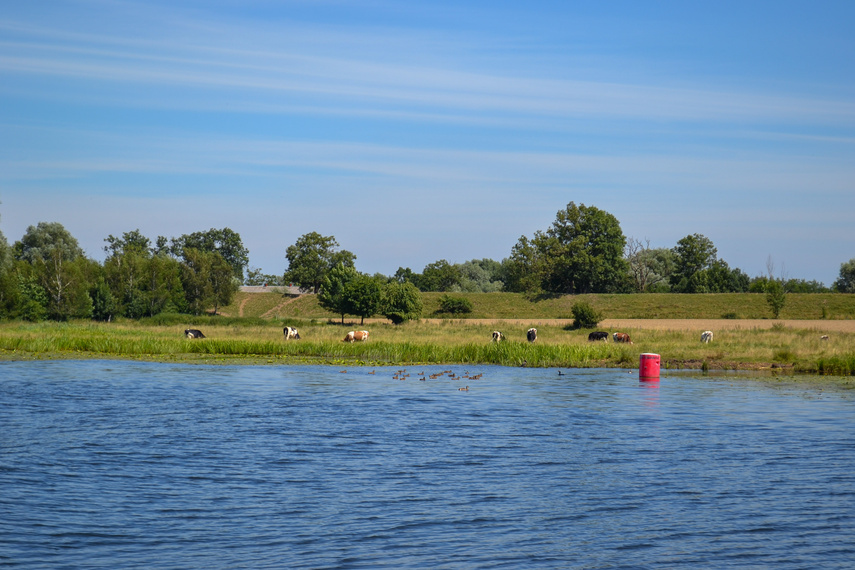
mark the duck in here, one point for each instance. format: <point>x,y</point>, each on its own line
<point>466,389</point>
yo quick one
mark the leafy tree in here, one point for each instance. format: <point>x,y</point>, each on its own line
<point>363,296</point>
<point>311,258</point>
<point>401,302</point>
<point>333,295</point>
<point>226,242</point>
<point>32,300</point>
<point>524,268</point>
<point>650,269</point>
<point>585,316</point>
<point>130,241</point>
<point>720,278</point>
<point>8,280</point>
<point>846,281</point>
<point>196,280</point>
<point>439,276</point>
<point>775,296</point>
<point>404,275</point>
<point>224,283</point>
<point>104,305</point>
<point>480,276</point>
<point>694,253</point>
<point>42,240</point>
<point>582,252</point>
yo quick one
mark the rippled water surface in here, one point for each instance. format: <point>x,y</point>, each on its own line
<point>119,464</point>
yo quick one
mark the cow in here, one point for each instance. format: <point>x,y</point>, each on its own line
<point>706,336</point>
<point>291,332</point>
<point>531,335</point>
<point>193,333</point>
<point>356,335</point>
<point>824,337</point>
<point>599,335</point>
<point>622,337</point>
<point>497,336</point>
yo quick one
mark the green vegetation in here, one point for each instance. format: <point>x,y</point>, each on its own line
<point>257,339</point>
<point>801,306</point>
<point>585,316</point>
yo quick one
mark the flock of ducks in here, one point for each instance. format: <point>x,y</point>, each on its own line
<point>403,374</point>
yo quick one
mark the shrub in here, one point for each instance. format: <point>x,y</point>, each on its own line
<point>585,316</point>
<point>454,305</point>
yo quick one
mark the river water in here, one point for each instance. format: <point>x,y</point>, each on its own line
<point>146,465</point>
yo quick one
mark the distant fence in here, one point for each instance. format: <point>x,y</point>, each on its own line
<point>283,289</point>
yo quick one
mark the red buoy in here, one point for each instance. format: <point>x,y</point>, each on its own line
<point>648,367</point>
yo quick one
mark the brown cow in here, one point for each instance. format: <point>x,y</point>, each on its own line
<point>356,335</point>
<point>622,337</point>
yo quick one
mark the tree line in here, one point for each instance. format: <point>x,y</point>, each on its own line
<point>45,275</point>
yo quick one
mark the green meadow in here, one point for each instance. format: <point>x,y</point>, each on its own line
<point>250,331</point>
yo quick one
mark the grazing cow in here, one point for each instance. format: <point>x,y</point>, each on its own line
<point>599,335</point>
<point>824,337</point>
<point>531,335</point>
<point>706,336</point>
<point>291,332</point>
<point>356,335</point>
<point>622,337</point>
<point>497,336</point>
<point>193,333</point>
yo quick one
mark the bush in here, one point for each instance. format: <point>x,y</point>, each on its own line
<point>585,316</point>
<point>454,305</point>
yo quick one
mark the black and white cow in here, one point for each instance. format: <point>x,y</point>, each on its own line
<point>531,335</point>
<point>291,332</point>
<point>497,336</point>
<point>193,333</point>
<point>599,335</point>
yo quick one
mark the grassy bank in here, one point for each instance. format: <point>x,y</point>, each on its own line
<point>518,306</point>
<point>780,348</point>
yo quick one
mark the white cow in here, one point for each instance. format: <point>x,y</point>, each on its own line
<point>706,336</point>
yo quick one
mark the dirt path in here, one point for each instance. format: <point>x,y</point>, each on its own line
<point>274,310</point>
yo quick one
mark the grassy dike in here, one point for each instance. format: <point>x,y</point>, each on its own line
<point>256,337</point>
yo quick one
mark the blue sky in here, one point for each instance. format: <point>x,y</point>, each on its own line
<point>414,132</point>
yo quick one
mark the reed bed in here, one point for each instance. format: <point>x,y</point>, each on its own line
<point>446,342</point>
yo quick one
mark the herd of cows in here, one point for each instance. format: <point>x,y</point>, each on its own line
<point>530,335</point>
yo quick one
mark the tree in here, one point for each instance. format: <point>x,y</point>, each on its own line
<point>694,253</point>
<point>196,280</point>
<point>256,277</point>
<point>480,276</point>
<point>311,258</point>
<point>363,296</point>
<point>585,316</point>
<point>40,241</point>
<point>225,242</point>
<point>130,241</point>
<point>401,302</point>
<point>333,294</point>
<point>439,276</point>
<point>846,281</point>
<point>582,252</point>
<point>775,296</point>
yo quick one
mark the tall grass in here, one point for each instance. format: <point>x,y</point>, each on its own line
<point>452,341</point>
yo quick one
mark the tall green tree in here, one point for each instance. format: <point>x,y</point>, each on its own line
<point>364,296</point>
<point>196,280</point>
<point>401,302</point>
<point>694,254</point>
<point>333,295</point>
<point>582,252</point>
<point>45,238</point>
<point>226,242</point>
<point>439,276</point>
<point>311,258</point>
